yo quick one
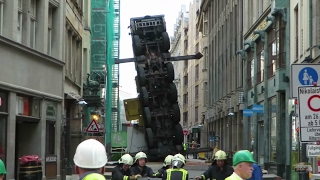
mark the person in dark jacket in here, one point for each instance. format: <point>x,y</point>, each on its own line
<point>121,171</point>
<point>139,167</point>
<point>219,170</point>
<point>176,172</point>
<point>166,165</point>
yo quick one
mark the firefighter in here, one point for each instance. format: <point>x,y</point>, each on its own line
<point>176,172</point>
<point>219,169</point>
<point>3,170</point>
<point>121,171</point>
<point>185,148</point>
<point>242,162</point>
<point>90,159</point>
<point>166,165</point>
<point>139,167</point>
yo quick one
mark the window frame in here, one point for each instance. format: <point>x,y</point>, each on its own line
<point>250,75</point>
<point>196,93</point>
<point>1,16</point>
<point>259,54</point>
<point>196,114</point>
<point>19,27</point>
<point>33,21</point>
<point>50,19</point>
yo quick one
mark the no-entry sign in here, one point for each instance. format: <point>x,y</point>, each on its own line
<point>309,113</point>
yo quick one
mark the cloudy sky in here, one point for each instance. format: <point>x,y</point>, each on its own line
<point>137,8</point>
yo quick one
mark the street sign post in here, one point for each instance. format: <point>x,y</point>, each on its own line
<point>309,113</point>
<point>313,150</point>
<point>303,75</point>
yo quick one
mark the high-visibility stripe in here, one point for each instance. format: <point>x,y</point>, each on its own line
<point>184,173</point>
<point>125,178</point>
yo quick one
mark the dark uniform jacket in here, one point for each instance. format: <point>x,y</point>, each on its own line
<point>145,172</point>
<point>215,173</point>
<point>119,174</point>
<point>160,172</point>
<point>175,174</point>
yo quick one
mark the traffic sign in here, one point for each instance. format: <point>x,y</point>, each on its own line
<point>211,138</point>
<point>313,150</point>
<point>303,75</point>
<point>93,127</point>
<point>185,132</point>
<point>309,113</point>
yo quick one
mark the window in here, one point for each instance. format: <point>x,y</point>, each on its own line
<point>3,138</point>
<point>186,44</point>
<point>206,58</point>
<point>196,96</point>
<point>3,101</point>
<point>185,80</point>
<point>185,63</point>
<point>1,16</point>
<point>49,48</point>
<point>185,118</point>
<point>273,126</point>
<point>205,24</point>
<point>296,16</point>
<point>33,15</point>
<point>250,70</point>
<point>19,27</point>
<point>205,94</point>
<point>273,51</point>
<point>196,114</point>
<point>50,137</point>
<point>197,72</point>
<point>260,61</point>
<point>197,48</point>
<point>185,99</point>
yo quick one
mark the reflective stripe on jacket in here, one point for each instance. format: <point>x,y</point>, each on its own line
<point>175,174</point>
<point>94,176</point>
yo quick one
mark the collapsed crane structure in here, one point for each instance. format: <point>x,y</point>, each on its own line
<point>156,107</point>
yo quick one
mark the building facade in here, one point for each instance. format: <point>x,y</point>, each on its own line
<point>31,82</point>
<point>220,23</point>
<point>77,48</point>
<point>266,57</point>
<point>179,47</point>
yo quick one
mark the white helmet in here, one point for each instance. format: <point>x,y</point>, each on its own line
<point>126,159</point>
<point>179,157</point>
<point>140,155</point>
<point>167,160</point>
<point>90,154</point>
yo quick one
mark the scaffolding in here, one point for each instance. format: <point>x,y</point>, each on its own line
<point>105,36</point>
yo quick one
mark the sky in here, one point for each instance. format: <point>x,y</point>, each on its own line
<point>139,8</point>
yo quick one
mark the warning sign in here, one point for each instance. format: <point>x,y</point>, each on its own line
<point>309,113</point>
<point>93,127</point>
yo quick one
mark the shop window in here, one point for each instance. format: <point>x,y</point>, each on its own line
<point>273,126</point>
<point>260,61</point>
<point>28,106</point>
<point>3,138</point>
<point>250,74</point>
<point>3,102</point>
<point>50,138</point>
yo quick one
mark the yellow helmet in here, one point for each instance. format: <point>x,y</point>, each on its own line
<point>167,160</point>
<point>220,155</point>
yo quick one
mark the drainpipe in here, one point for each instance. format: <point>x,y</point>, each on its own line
<point>246,136</point>
<point>310,28</point>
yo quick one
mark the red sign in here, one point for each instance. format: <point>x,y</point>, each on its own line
<point>309,103</point>
<point>185,132</point>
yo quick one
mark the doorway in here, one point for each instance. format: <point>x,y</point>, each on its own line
<point>260,153</point>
